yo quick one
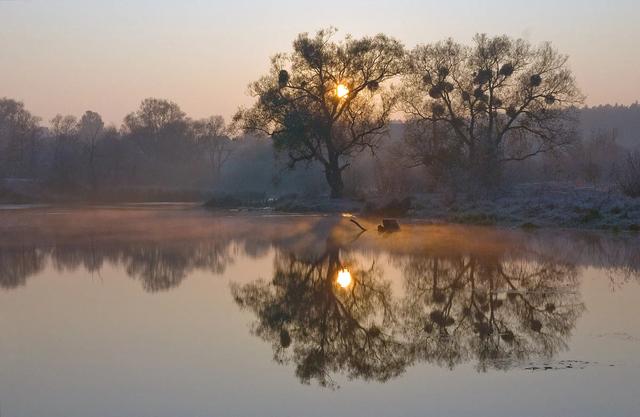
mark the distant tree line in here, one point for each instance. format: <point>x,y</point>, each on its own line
<point>158,152</point>
<point>156,146</point>
<point>471,117</point>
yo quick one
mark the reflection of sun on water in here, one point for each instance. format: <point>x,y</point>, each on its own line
<point>344,278</point>
<point>342,90</point>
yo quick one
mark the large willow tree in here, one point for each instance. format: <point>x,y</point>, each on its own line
<point>477,107</point>
<point>326,100</point>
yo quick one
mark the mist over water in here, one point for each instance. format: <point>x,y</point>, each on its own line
<point>175,310</point>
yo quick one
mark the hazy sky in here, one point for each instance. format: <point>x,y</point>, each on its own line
<point>67,56</point>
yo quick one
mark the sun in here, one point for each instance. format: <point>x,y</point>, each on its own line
<point>342,90</point>
<point>344,278</point>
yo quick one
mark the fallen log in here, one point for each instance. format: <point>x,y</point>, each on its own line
<point>357,224</point>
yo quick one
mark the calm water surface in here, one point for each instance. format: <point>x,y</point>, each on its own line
<point>175,311</point>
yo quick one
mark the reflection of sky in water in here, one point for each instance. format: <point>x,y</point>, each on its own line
<point>131,313</point>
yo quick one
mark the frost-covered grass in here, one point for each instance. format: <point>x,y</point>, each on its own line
<point>528,206</point>
<point>536,205</point>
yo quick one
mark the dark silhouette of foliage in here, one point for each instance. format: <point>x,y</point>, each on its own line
<point>628,175</point>
<point>495,312</point>
<point>321,327</point>
<point>90,130</point>
<point>479,106</point>
<point>19,132</point>
<point>212,137</point>
<point>326,100</point>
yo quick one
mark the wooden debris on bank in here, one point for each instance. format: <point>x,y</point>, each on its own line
<point>354,221</point>
<point>389,226</point>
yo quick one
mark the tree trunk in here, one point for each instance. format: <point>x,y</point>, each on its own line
<point>490,174</point>
<point>334,177</point>
<point>92,169</point>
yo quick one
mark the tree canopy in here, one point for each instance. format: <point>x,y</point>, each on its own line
<point>326,100</point>
<point>500,99</point>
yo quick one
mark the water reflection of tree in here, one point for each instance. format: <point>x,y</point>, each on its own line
<point>618,255</point>
<point>159,248</point>
<point>495,312</point>
<point>18,263</point>
<point>158,265</point>
<point>493,309</point>
<point>321,327</point>
<point>162,267</point>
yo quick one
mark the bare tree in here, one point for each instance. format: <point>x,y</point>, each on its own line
<point>18,134</point>
<point>499,100</point>
<point>154,115</point>
<point>162,151</point>
<point>90,127</point>
<point>325,101</point>
<point>628,175</point>
<point>212,137</point>
<point>64,130</point>
<point>64,127</point>
<point>158,127</point>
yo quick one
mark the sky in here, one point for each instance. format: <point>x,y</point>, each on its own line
<point>68,56</point>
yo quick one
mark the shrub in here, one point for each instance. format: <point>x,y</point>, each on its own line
<point>628,175</point>
<point>591,215</point>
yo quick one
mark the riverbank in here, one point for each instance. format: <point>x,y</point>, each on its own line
<point>541,205</point>
<point>538,205</point>
<point>544,205</point>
